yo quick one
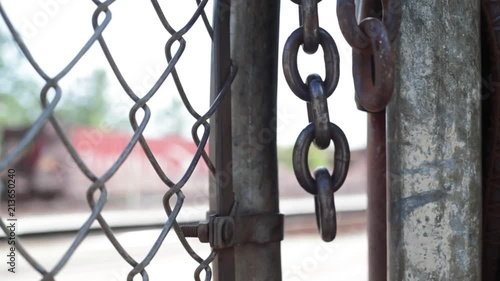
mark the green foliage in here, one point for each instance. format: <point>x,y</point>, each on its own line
<point>83,104</point>
<point>87,105</point>
<point>317,157</point>
<point>14,102</point>
<point>16,93</point>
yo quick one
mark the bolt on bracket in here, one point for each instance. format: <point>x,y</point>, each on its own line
<point>229,231</point>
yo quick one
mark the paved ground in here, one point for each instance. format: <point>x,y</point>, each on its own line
<point>305,257</point>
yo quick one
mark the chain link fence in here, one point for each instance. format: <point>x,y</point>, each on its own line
<point>97,194</point>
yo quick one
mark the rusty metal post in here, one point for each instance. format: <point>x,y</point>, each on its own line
<point>376,174</point>
<point>377,203</point>
<point>221,186</point>
<point>490,50</point>
<point>434,144</point>
<point>254,48</point>
<point>243,143</point>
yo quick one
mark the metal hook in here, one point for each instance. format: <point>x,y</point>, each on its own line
<point>374,79</point>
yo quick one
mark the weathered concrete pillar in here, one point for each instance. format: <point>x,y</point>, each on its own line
<point>434,161</point>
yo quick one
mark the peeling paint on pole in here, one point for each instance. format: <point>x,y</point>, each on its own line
<point>434,161</point>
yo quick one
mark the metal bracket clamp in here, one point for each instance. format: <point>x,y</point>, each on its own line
<point>227,231</point>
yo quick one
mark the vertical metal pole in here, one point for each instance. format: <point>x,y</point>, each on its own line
<point>221,186</point>
<point>377,203</point>
<point>490,50</point>
<point>254,48</point>
<point>377,182</point>
<point>434,144</point>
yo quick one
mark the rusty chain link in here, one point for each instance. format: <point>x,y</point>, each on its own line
<point>373,57</point>
<point>353,33</point>
<point>291,71</point>
<point>374,74</point>
<point>318,113</point>
<point>320,130</point>
<point>324,204</point>
<point>97,192</point>
<point>308,12</point>
<point>301,153</point>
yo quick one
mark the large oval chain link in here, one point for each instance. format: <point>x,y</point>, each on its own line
<point>353,33</point>
<point>291,71</point>
<point>373,57</point>
<point>373,95</point>
<point>301,155</point>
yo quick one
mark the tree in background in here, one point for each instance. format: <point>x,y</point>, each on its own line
<point>86,106</point>
<point>17,94</point>
<point>82,104</point>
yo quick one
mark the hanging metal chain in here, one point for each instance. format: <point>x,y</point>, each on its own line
<point>373,57</point>
<point>320,130</point>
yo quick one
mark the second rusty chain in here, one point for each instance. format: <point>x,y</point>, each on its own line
<point>320,130</point>
<point>373,57</point>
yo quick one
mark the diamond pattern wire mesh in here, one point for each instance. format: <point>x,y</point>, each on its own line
<point>97,192</point>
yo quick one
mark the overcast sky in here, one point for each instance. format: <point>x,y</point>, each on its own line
<point>55,30</point>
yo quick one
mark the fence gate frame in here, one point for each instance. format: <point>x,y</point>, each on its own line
<point>243,140</point>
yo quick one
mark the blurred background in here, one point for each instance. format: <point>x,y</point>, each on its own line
<point>51,190</point>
